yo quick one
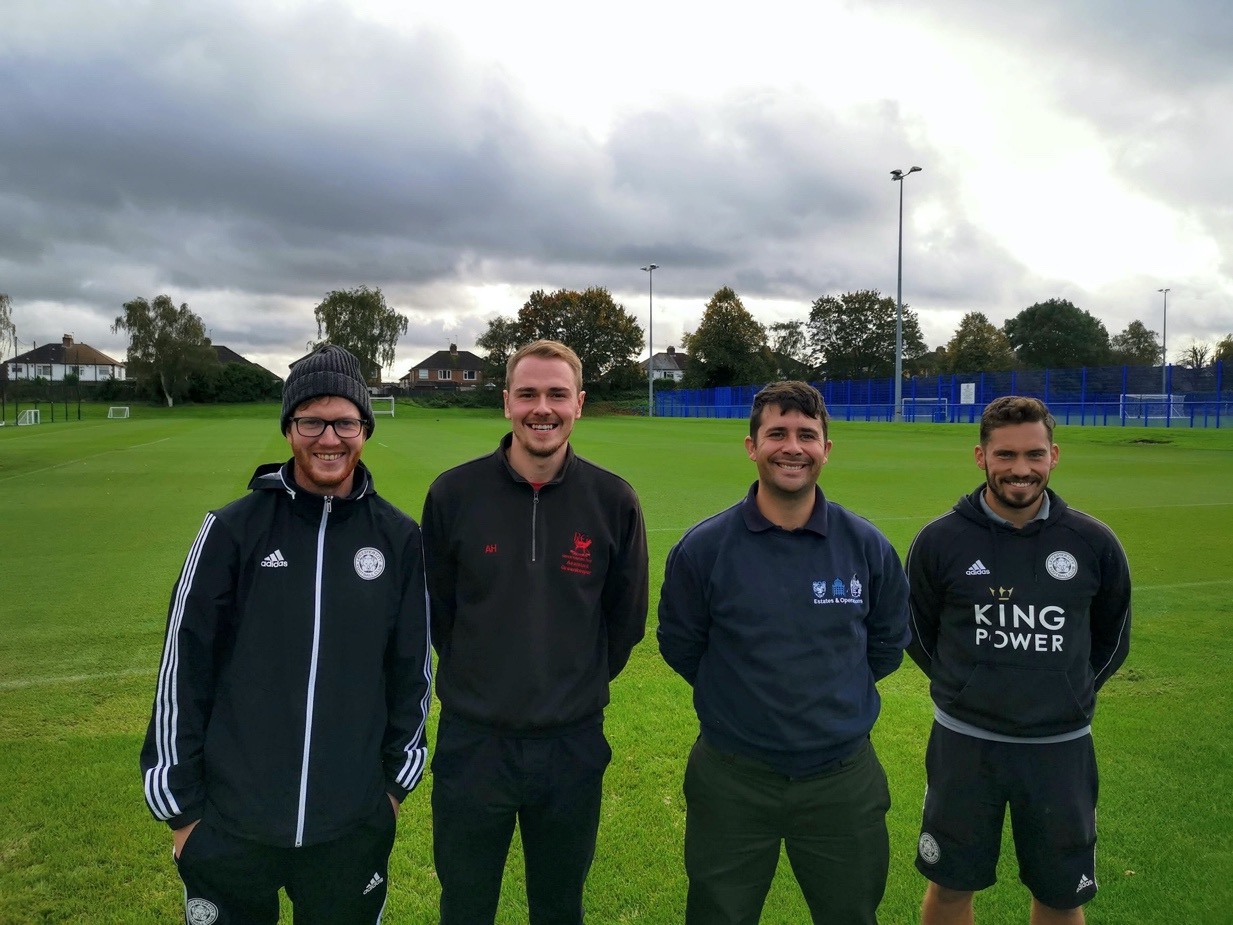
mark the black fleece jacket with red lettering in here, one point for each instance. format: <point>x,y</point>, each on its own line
<point>539,593</point>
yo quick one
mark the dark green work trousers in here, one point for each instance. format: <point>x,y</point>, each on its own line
<point>738,811</point>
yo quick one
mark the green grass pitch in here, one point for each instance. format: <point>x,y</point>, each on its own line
<point>97,515</point>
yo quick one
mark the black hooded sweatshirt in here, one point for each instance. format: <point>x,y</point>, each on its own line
<point>1018,628</point>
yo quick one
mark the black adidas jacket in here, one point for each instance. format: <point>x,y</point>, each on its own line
<point>538,595</point>
<point>1018,628</point>
<point>296,672</point>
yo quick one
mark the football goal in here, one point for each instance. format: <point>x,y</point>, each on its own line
<point>1153,406</point>
<point>117,411</point>
<point>383,404</point>
<point>29,416</point>
<point>926,409</point>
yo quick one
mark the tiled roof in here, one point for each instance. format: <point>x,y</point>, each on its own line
<point>451,359</point>
<point>72,355</point>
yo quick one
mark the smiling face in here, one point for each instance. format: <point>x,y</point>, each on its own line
<point>1017,459</point>
<point>542,402</point>
<point>790,450</point>
<point>324,465</point>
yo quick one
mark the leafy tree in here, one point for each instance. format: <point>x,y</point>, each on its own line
<point>1136,346</point>
<point>601,332</point>
<point>234,382</point>
<point>604,335</point>
<point>8,344</point>
<point>500,342</point>
<point>729,347</point>
<point>978,346</point>
<point>1055,334</point>
<point>1196,355</point>
<point>627,377</point>
<point>853,336</point>
<point>933,363</point>
<point>789,343</point>
<point>8,330</point>
<point>1224,350</point>
<point>359,320</point>
<point>166,344</point>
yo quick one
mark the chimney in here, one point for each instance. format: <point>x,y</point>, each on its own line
<point>671,351</point>
<point>68,340</point>
<point>453,348</point>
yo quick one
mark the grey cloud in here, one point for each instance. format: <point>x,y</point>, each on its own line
<point>248,162</point>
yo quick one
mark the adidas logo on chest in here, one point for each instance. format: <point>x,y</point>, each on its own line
<point>275,560</point>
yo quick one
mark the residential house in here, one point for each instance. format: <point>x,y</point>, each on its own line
<point>668,365</point>
<point>446,369</point>
<point>54,361</point>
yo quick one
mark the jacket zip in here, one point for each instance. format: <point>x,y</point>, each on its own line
<point>534,521</point>
<point>312,674</point>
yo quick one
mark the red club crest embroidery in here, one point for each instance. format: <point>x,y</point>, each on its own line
<point>578,559</point>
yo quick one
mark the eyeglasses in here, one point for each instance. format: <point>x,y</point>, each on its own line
<point>346,428</point>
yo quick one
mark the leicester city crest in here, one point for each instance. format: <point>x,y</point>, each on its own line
<point>819,590</point>
<point>200,912</point>
<point>369,563</point>
<point>1061,565</point>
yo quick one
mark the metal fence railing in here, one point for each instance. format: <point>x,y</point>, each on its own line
<point>1111,396</point>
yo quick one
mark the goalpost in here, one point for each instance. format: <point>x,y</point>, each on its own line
<point>926,409</point>
<point>1153,406</point>
<point>29,416</point>
<point>383,404</point>
<point>117,411</point>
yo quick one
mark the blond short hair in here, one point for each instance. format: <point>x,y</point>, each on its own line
<point>545,350</point>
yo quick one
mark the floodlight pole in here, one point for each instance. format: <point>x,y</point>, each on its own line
<point>650,339</point>
<point>1164,350</point>
<point>897,177</point>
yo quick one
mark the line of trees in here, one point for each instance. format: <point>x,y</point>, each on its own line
<point>168,347</point>
<point>846,336</point>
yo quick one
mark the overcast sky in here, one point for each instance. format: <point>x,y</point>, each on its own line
<point>249,158</point>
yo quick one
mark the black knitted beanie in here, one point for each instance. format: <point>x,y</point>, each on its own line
<point>328,370</point>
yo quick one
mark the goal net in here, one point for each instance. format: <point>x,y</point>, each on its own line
<point>30,416</point>
<point>383,405</point>
<point>117,411</point>
<point>1153,406</point>
<point>926,409</point>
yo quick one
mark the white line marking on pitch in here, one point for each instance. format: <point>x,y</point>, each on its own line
<point>1185,584</point>
<point>73,462</point>
<point>20,683</point>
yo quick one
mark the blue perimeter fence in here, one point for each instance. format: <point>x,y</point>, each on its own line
<point>1116,396</point>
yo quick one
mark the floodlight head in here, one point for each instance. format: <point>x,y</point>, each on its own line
<point>896,174</point>
<point>653,266</point>
<point>913,170</point>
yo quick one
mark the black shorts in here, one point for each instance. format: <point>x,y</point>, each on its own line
<point>1051,790</point>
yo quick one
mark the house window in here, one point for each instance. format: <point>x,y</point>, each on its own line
<point>445,374</point>
<point>421,374</point>
<point>468,375</point>
<point>44,371</point>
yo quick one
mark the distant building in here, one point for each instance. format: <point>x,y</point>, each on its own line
<point>668,365</point>
<point>446,369</point>
<point>54,361</point>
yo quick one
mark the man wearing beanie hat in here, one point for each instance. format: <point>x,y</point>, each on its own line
<point>288,719</point>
